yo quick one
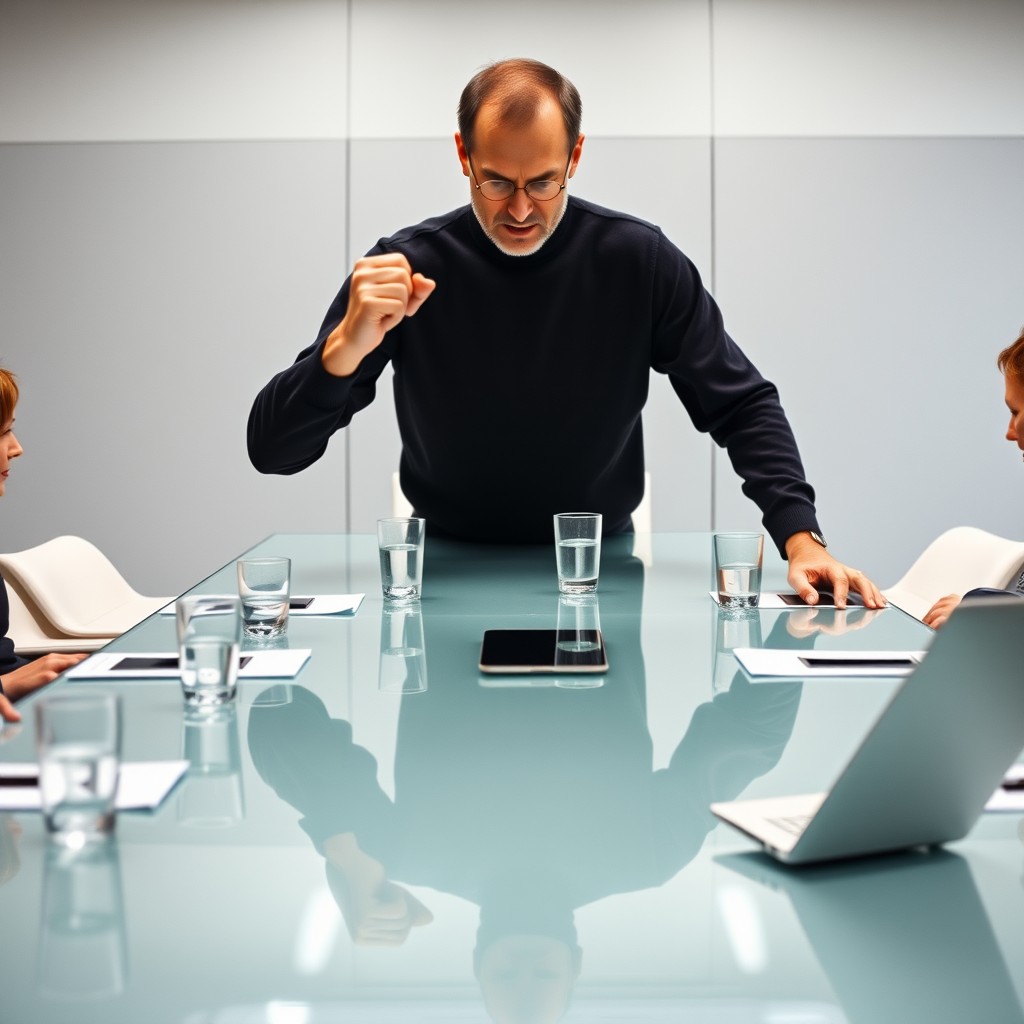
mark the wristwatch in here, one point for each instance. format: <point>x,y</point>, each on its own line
<point>815,536</point>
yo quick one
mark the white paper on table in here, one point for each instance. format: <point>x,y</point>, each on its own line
<point>765,662</point>
<point>274,664</point>
<point>1009,799</point>
<point>319,604</point>
<point>141,785</point>
<point>776,600</point>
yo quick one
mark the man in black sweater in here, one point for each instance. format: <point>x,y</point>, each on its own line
<point>519,385</point>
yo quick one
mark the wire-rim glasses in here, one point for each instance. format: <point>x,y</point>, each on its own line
<point>500,190</point>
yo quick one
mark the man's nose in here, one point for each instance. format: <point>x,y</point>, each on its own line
<point>520,206</point>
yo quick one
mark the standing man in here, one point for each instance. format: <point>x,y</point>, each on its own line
<point>522,330</point>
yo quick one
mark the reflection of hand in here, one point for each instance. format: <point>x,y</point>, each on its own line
<point>385,916</point>
<point>830,622</point>
<point>7,710</point>
<point>941,611</point>
<point>377,912</point>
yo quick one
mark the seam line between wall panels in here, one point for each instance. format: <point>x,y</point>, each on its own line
<point>712,505</point>
<point>347,234</point>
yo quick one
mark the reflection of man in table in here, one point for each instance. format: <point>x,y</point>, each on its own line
<point>520,381</point>
<point>528,802</point>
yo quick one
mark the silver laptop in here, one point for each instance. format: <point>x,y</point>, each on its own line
<point>902,938</point>
<point>925,771</point>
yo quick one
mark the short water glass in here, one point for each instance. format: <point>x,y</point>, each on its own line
<point>264,586</point>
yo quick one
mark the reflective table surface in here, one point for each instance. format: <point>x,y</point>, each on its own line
<point>393,836</point>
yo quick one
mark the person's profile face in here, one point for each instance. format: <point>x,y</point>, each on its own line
<point>539,151</point>
<point>1015,403</point>
<point>9,449</point>
<point>527,979</point>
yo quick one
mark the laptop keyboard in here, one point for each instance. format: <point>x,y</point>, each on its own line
<point>793,824</point>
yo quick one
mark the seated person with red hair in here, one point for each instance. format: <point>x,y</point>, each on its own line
<point>18,676</point>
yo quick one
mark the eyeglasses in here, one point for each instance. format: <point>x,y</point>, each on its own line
<point>500,190</point>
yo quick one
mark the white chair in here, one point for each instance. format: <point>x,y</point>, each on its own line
<point>400,506</point>
<point>65,593</point>
<point>32,633</point>
<point>956,561</point>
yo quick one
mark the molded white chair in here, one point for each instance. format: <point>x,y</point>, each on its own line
<point>956,561</point>
<point>66,591</point>
<point>400,506</point>
<point>33,633</point>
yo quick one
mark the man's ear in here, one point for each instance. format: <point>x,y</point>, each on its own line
<point>577,151</point>
<point>463,155</point>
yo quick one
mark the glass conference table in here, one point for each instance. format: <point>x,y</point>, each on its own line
<point>369,844</point>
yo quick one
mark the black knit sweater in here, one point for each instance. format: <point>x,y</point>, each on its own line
<point>519,384</point>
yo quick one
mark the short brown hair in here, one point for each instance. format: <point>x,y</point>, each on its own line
<point>518,86</point>
<point>8,395</point>
<point>1011,359</point>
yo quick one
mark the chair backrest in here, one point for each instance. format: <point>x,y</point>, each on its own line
<point>77,589</point>
<point>400,505</point>
<point>958,560</point>
<point>32,633</point>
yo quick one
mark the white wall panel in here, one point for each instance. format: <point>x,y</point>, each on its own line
<point>868,67</point>
<point>74,70</point>
<point>641,68</point>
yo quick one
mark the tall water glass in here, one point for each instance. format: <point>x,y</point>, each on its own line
<point>578,551</point>
<point>78,740</point>
<point>209,638</point>
<point>400,542</point>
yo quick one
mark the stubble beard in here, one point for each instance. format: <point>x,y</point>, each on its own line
<point>547,232</point>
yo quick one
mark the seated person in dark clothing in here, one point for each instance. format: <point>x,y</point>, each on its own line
<point>1011,362</point>
<point>18,676</point>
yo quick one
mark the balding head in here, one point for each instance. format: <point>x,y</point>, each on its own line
<point>517,89</point>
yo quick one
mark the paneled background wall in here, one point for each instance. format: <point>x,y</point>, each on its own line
<point>185,183</point>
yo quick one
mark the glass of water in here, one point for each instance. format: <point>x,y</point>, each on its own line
<point>78,741</point>
<point>209,638</point>
<point>264,588</point>
<point>578,551</point>
<point>400,542</point>
<point>738,558</point>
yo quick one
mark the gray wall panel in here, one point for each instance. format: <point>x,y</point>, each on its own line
<point>875,281</point>
<point>148,292</point>
<point>667,182</point>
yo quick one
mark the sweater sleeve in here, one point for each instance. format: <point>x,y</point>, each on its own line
<point>298,411</point>
<point>9,661</point>
<point>727,397</point>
